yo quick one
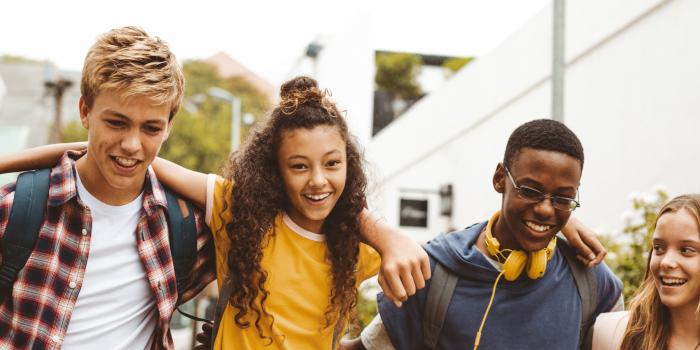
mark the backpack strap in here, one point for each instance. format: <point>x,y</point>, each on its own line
<point>442,287</point>
<point>586,284</point>
<point>26,219</point>
<point>224,296</point>
<point>182,234</point>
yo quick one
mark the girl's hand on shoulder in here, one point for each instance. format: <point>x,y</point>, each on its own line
<point>590,251</point>
<point>404,269</point>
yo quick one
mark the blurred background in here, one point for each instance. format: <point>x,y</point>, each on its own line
<point>431,90</point>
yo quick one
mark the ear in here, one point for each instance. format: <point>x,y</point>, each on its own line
<point>499,178</point>
<point>84,110</point>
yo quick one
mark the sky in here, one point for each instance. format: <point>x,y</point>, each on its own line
<point>266,36</point>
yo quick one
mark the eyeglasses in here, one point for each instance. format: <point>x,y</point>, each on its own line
<point>535,196</point>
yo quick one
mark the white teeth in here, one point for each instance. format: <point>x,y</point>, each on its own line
<point>536,227</point>
<point>673,281</point>
<point>125,162</point>
<point>317,197</point>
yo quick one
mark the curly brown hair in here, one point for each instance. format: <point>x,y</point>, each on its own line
<point>259,196</point>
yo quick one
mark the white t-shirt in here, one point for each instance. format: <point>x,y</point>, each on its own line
<point>115,308</point>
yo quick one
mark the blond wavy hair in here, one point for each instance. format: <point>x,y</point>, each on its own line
<point>130,61</point>
<point>649,323</point>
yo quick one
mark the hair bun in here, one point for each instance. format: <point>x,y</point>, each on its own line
<point>297,85</point>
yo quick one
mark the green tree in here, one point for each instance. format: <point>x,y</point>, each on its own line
<point>397,73</point>
<point>628,251</point>
<point>73,131</point>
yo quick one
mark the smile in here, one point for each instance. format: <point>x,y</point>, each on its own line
<point>537,227</point>
<point>673,282</point>
<point>125,162</point>
<point>317,197</point>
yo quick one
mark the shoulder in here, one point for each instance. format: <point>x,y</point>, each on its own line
<point>608,330</point>
<point>368,262</point>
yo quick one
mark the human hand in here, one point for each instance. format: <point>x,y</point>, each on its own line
<point>205,338</point>
<point>590,251</point>
<point>405,268</point>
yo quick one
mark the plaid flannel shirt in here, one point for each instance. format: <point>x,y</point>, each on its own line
<point>44,294</point>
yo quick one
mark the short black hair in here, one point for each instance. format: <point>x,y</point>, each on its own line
<point>543,134</point>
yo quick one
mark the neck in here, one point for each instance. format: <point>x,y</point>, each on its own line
<point>100,188</point>
<point>503,235</point>
<point>685,328</point>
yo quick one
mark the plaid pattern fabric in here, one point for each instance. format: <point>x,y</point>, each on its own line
<point>45,292</point>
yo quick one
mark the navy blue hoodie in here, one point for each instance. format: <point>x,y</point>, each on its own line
<point>526,314</point>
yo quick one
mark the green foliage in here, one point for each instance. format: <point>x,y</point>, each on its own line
<point>201,135</point>
<point>73,131</point>
<point>629,251</point>
<point>453,65</point>
<point>397,72</point>
<point>365,310</point>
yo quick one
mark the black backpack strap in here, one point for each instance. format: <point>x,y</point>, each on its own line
<point>182,233</point>
<point>442,287</point>
<point>26,218</point>
<point>586,284</point>
<point>224,296</point>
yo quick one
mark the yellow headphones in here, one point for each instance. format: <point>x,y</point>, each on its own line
<point>515,263</point>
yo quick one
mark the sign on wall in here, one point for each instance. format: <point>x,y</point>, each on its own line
<point>413,212</point>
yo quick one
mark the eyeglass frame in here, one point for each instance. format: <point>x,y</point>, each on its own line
<point>544,195</point>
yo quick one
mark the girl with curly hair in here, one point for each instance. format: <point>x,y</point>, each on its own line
<point>665,312</point>
<point>286,218</point>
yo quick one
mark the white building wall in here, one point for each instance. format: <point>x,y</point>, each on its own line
<point>631,96</point>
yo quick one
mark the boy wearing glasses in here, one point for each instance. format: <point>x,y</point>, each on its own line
<point>514,287</point>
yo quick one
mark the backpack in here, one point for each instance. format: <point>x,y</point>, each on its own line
<point>27,216</point>
<point>443,283</point>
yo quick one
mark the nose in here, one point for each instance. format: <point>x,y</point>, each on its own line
<point>669,260</point>
<point>318,178</point>
<point>544,209</point>
<point>131,142</point>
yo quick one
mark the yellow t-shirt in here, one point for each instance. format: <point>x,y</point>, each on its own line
<point>299,281</point>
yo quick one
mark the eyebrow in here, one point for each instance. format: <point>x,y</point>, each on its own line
<point>299,156</point>
<point>120,115</point>
<point>531,182</point>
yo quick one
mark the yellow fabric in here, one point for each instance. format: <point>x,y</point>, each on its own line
<point>299,284</point>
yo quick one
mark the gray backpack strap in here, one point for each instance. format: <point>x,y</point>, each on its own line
<point>442,286</point>
<point>587,287</point>
<point>224,296</point>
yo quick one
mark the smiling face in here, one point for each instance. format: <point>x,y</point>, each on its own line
<point>312,163</point>
<point>124,136</point>
<point>675,259</point>
<point>528,226</point>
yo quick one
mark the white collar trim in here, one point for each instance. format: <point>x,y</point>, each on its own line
<point>302,231</point>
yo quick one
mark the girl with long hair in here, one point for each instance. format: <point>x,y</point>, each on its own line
<point>664,314</point>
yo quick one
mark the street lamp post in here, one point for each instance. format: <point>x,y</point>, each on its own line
<point>235,102</point>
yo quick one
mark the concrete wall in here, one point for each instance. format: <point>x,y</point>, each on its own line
<point>631,96</point>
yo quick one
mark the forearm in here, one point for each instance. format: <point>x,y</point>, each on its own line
<point>375,232</point>
<point>190,184</point>
<point>37,157</point>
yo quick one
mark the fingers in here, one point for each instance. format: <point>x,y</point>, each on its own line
<point>388,292</point>
<point>425,266</point>
<point>205,338</point>
<point>597,248</point>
